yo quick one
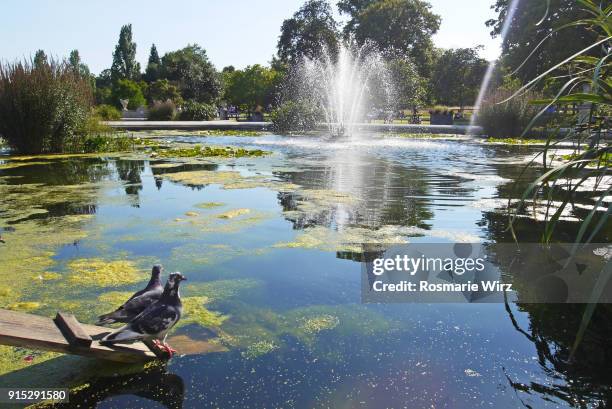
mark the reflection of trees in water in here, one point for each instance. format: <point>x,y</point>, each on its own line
<point>129,171</point>
<point>67,171</point>
<point>583,381</point>
<point>386,193</point>
<point>159,172</point>
<point>154,384</point>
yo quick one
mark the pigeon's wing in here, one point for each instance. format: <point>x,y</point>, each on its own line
<point>156,319</point>
<point>138,304</point>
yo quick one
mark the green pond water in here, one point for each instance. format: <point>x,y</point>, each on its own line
<point>273,313</point>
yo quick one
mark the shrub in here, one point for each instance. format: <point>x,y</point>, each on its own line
<point>295,116</point>
<point>107,112</point>
<point>162,111</point>
<point>196,111</point>
<point>508,119</point>
<point>130,90</point>
<point>43,107</point>
<point>440,109</point>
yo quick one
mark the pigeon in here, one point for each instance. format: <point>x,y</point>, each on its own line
<point>155,321</point>
<point>2,240</point>
<point>137,302</point>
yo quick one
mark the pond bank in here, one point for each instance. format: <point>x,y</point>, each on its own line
<point>135,125</point>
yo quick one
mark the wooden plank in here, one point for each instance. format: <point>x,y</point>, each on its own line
<point>36,332</point>
<point>72,330</point>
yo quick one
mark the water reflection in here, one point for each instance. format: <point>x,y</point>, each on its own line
<point>414,356</point>
<point>154,384</point>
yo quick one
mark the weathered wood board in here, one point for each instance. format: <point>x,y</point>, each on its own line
<point>36,332</point>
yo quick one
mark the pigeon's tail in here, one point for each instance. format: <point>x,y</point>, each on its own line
<point>122,335</point>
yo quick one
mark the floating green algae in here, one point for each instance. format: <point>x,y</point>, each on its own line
<point>209,205</point>
<point>258,349</point>
<point>230,214</point>
<point>195,312</point>
<point>228,180</point>
<point>199,151</point>
<point>99,272</point>
<point>515,141</point>
<point>316,324</point>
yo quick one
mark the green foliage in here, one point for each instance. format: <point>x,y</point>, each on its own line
<point>103,95</point>
<point>506,119</point>
<point>311,29</point>
<point>399,27</point>
<point>163,90</point>
<point>40,59</point>
<point>130,90</point>
<point>125,65</point>
<point>253,86</point>
<point>162,111</point>
<point>153,70</point>
<point>196,111</point>
<point>43,106</point>
<point>192,72</point>
<point>457,76</point>
<point>408,86</point>
<point>107,112</point>
<point>533,22</point>
<point>77,65</point>
<point>294,116</point>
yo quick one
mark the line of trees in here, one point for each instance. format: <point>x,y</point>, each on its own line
<point>402,29</point>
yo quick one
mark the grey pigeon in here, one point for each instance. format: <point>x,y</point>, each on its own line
<point>155,321</point>
<point>137,302</point>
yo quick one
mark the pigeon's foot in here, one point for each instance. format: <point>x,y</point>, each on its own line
<point>171,351</point>
<point>166,347</point>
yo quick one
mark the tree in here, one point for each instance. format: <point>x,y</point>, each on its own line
<point>77,65</point>
<point>458,75</point>
<point>409,88</point>
<point>311,30</point>
<point>130,90</point>
<point>255,85</point>
<point>526,31</point>
<point>153,70</point>
<point>40,59</point>
<point>125,65</point>
<point>401,28</point>
<point>162,90</point>
<point>194,75</point>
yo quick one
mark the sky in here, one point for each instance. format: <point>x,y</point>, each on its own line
<point>233,32</point>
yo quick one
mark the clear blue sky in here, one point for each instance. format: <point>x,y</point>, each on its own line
<point>236,32</point>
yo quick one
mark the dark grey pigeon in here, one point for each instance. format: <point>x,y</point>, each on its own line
<point>155,321</point>
<point>137,302</point>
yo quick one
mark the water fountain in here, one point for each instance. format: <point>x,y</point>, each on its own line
<point>345,84</point>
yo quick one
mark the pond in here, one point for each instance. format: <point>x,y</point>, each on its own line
<point>273,312</point>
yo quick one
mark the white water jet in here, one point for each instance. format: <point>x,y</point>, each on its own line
<point>346,86</point>
<point>484,86</point>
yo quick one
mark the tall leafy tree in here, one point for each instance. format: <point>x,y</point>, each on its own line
<point>311,29</point>
<point>402,28</point>
<point>193,73</point>
<point>77,65</point>
<point>255,85</point>
<point>153,70</point>
<point>457,76</point>
<point>534,21</point>
<point>125,65</point>
<point>40,59</point>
